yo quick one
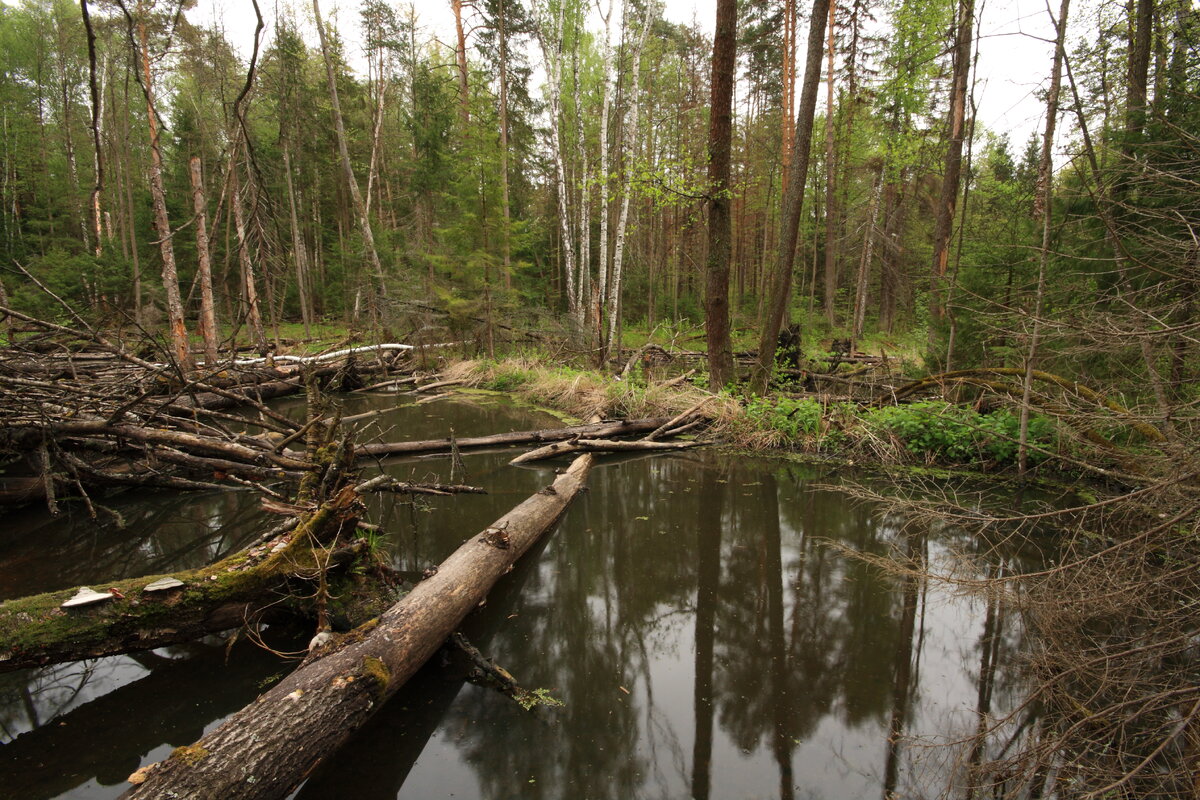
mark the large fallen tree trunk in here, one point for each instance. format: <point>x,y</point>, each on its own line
<point>601,430</point>
<point>269,747</point>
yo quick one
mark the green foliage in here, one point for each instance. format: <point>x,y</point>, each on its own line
<point>789,416</point>
<point>538,697</point>
<point>506,377</point>
<point>941,431</point>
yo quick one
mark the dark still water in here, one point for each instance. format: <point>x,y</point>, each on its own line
<point>704,638</point>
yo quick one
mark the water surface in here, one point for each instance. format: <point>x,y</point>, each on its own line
<point>705,639</point>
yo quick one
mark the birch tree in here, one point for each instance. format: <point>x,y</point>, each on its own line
<point>549,28</point>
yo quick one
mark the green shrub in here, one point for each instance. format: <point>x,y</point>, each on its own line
<point>507,378</point>
<point>788,416</point>
<point>937,430</point>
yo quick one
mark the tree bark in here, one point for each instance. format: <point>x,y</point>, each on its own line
<point>720,225</point>
<point>97,152</point>
<point>245,263</point>
<point>551,42</point>
<point>299,253</point>
<point>951,177</point>
<point>460,53</point>
<point>162,224</point>
<point>208,319</point>
<point>831,220</point>
<point>629,137</point>
<point>793,200</point>
<point>269,747</point>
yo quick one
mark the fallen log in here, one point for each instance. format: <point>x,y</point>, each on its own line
<point>603,430</point>
<point>269,747</point>
<point>597,446</point>
<point>38,630</point>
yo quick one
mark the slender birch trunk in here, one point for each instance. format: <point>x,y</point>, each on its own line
<point>504,197</point>
<point>630,127</point>
<point>551,45</point>
<point>605,165</point>
<point>97,115</point>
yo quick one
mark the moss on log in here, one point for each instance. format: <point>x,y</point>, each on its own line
<point>36,630</point>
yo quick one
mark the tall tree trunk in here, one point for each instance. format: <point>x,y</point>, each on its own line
<point>245,263</point>
<point>208,319</point>
<point>356,199</point>
<point>97,112</point>
<point>1043,205</point>
<point>951,178</point>
<point>831,216</point>
<point>788,99</point>
<point>299,253</point>
<point>162,224</point>
<point>629,129</point>
<point>551,42</point>
<point>460,54</point>
<point>505,209</point>
<point>864,264</point>
<point>793,200</point>
<point>603,269</point>
<point>716,309</point>
<point>68,140</point>
<point>1141,36</point>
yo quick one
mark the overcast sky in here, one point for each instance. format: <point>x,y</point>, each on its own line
<point>1014,51</point>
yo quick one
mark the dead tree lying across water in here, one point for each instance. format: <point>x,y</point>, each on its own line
<point>270,746</point>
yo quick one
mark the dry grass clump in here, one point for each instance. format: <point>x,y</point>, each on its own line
<point>584,393</point>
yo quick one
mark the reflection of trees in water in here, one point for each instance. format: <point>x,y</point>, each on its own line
<point>841,619</point>
<point>595,614</point>
<point>153,532</point>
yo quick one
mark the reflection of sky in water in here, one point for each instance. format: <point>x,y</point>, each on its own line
<point>612,616</point>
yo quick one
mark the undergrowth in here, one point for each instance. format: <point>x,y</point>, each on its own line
<point>926,432</point>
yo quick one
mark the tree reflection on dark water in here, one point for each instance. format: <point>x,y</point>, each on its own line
<point>705,640</point>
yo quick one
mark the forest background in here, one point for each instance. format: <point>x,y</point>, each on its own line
<point>545,168</point>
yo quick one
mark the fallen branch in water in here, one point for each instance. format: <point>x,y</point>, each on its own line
<point>600,430</point>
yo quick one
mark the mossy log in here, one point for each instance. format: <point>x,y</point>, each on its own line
<point>269,747</point>
<point>37,630</point>
<point>601,430</point>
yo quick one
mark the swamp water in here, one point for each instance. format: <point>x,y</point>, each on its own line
<point>704,638</point>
